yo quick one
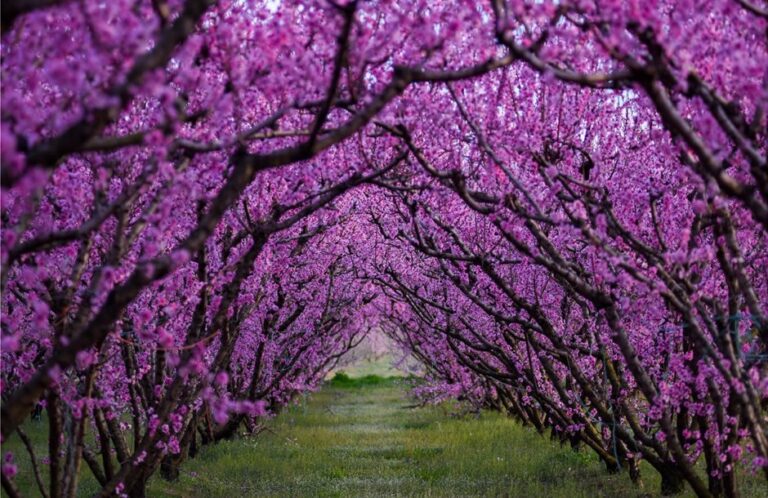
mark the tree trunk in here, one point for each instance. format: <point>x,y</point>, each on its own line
<point>672,482</point>
<point>634,472</point>
<point>139,489</point>
<point>169,467</point>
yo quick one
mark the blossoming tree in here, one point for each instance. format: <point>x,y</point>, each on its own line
<point>559,208</point>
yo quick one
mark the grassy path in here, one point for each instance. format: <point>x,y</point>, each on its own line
<point>366,441</point>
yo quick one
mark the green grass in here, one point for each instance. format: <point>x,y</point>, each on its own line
<point>381,365</point>
<point>362,437</point>
<point>37,431</point>
<point>342,380</point>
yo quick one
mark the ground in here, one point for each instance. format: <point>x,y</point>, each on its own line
<point>364,437</point>
<point>367,439</point>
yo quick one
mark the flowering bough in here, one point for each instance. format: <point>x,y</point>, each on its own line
<point>559,208</point>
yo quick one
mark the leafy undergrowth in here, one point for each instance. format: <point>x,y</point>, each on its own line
<point>343,380</point>
<point>383,365</point>
<point>369,441</point>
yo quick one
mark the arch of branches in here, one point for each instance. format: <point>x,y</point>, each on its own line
<point>560,208</point>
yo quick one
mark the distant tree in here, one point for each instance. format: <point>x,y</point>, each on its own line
<point>559,208</point>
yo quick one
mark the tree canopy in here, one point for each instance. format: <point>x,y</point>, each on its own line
<point>560,208</point>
